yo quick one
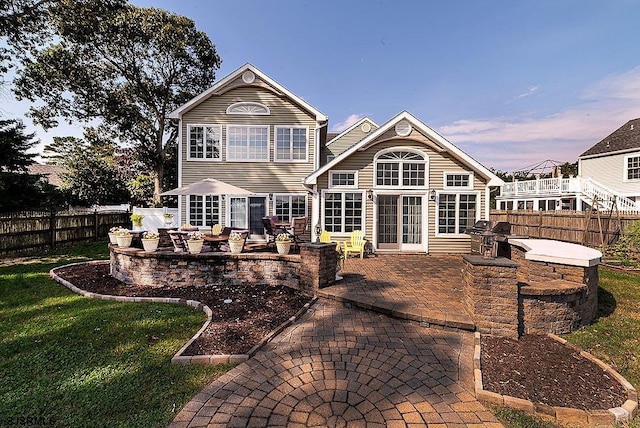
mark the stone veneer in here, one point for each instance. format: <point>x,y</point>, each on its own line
<point>315,267</point>
<point>511,297</point>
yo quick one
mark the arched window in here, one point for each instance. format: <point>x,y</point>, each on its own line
<point>250,108</point>
<point>401,168</point>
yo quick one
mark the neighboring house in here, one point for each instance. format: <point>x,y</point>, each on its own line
<point>608,174</point>
<point>50,172</point>
<point>404,185</point>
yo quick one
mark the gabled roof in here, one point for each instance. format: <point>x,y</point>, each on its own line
<point>51,172</point>
<point>177,113</point>
<point>625,138</point>
<point>442,142</point>
<point>349,129</point>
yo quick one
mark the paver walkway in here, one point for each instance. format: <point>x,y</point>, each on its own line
<point>417,287</point>
<point>346,367</point>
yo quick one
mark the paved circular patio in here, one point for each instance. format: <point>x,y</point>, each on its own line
<point>340,366</point>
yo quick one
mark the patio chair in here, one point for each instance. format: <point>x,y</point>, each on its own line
<point>355,244</point>
<point>271,231</point>
<point>216,229</point>
<point>298,226</point>
<point>179,241</point>
<point>325,237</point>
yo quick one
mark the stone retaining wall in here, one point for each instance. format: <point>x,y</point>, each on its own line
<point>315,267</point>
<point>511,297</point>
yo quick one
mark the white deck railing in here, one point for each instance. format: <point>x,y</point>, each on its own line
<point>588,189</point>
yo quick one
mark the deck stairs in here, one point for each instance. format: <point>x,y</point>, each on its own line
<point>590,191</point>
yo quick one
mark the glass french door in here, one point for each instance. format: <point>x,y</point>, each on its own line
<point>247,213</point>
<point>400,223</point>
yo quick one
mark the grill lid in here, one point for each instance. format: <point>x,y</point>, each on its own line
<point>484,226</point>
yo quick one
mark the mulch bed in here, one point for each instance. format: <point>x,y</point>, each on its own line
<point>535,368</point>
<point>235,327</point>
<point>542,370</point>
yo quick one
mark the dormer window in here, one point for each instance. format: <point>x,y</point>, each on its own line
<point>249,108</point>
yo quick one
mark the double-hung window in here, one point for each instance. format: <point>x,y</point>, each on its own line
<point>457,212</point>
<point>204,211</point>
<point>248,143</point>
<point>204,142</point>
<point>632,166</point>
<point>291,144</point>
<point>343,211</point>
<point>401,169</point>
<point>287,207</point>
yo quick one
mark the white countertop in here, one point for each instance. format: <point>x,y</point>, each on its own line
<point>566,253</point>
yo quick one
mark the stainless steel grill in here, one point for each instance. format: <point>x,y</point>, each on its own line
<point>486,236</point>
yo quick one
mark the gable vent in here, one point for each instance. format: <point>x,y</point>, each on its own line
<point>403,128</point>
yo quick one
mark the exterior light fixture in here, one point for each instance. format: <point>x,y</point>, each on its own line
<point>432,195</point>
<point>271,196</point>
<point>370,194</point>
<point>317,230</point>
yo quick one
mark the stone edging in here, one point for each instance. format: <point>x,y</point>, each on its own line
<point>178,358</point>
<point>560,415</point>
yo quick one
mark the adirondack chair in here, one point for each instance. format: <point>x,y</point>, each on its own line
<point>216,229</point>
<point>355,244</point>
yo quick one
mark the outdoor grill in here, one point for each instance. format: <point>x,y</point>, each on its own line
<point>486,236</point>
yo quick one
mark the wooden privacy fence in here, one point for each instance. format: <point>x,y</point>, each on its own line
<point>37,230</point>
<point>593,229</point>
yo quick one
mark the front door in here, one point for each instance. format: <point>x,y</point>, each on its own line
<point>400,223</point>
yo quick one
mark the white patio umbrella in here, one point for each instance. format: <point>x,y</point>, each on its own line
<point>208,186</point>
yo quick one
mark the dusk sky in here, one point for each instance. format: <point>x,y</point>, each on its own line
<point>510,82</point>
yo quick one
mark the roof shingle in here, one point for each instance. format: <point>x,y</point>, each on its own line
<point>627,137</point>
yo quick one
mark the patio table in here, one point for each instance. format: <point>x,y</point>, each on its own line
<point>215,240</point>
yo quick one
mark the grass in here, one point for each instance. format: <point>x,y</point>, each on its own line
<point>614,338</point>
<point>77,362</point>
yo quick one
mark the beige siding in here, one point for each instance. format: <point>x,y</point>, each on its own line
<point>610,171</point>
<point>363,162</point>
<point>257,177</point>
<point>349,139</point>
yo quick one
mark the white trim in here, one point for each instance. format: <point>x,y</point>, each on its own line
<point>315,213</point>
<point>424,246</point>
<point>275,144</point>
<point>343,191</point>
<point>355,179</point>
<point>204,209</point>
<point>177,113</point>
<point>493,180</point>
<point>437,233</point>
<point>180,147</point>
<point>605,154</point>
<point>248,108</point>
<point>351,128</point>
<point>425,161</point>
<point>625,169</point>
<point>267,127</point>
<point>468,187</point>
<point>289,195</point>
<point>204,142</point>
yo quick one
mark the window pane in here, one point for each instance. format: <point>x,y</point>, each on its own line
<point>282,144</point>
<point>299,144</point>
<point>467,212</point>
<point>633,168</point>
<point>283,207</point>
<point>447,213</point>
<point>412,219</point>
<point>298,206</point>
<point>458,180</point>
<point>213,142</point>
<point>333,212</point>
<point>352,212</point>
<point>388,174</point>
<point>413,174</point>
<point>212,211</point>
<point>238,211</point>
<point>247,143</point>
<point>343,179</point>
<point>195,210</point>
<point>196,142</point>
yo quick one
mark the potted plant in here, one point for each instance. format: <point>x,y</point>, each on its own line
<point>283,244</point>
<point>195,243</point>
<point>150,241</point>
<point>136,219</point>
<point>124,238</point>
<point>168,219</point>
<point>236,242</point>
<point>113,232</point>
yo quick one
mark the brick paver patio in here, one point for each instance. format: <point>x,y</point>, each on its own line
<point>418,287</point>
<point>345,367</point>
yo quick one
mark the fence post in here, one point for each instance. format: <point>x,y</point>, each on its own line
<point>95,225</point>
<point>52,229</point>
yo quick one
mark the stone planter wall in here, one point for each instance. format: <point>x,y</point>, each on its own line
<point>306,272</point>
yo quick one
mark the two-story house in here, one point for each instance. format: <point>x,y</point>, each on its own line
<point>404,185</point>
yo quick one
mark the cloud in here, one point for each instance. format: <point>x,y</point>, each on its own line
<point>512,142</point>
<point>341,126</point>
<point>532,90</point>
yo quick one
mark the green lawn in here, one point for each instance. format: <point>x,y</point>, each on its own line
<point>78,362</point>
<point>614,337</point>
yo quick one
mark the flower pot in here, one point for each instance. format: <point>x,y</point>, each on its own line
<point>113,239</point>
<point>236,247</point>
<point>195,247</point>
<point>124,241</point>
<point>137,226</point>
<point>150,245</point>
<point>283,247</point>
